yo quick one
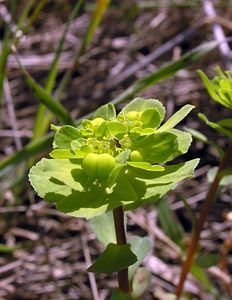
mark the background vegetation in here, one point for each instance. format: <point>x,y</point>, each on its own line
<point>59,61</point>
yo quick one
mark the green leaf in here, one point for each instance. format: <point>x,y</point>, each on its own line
<point>184,140</point>
<point>151,118</point>
<point>87,204</point>
<point>114,174</point>
<point>50,176</point>
<point>8,249</point>
<point>100,130</point>
<point>145,166</point>
<point>220,89</point>
<point>171,173</point>
<point>62,153</point>
<point>215,126</point>
<point>142,131</point>
<point>99,225</point>
<point>64,137</point>
<point>140,105</point>
<point>116,129</point>
<point>123,191</point>
<point>123,157</point>
<point>209,86</point>
<point>168,222</point>
<point>119,295</point>
<point>79,143</point>
<point>63,181</point>
<point>226,176</point>
<point>106,112</point>
<point>176,118</point>
<point>200,274</point>
<point>140,247</point>
<point>219,72</point>
<point>68,154</point>
<point>225,123</point>
<point>88,212</point>
<point>151,186</point>
<point>226,97</point>
<point>207,260</point>
<point>140,282</point>
<point>157,147</point>
<point>114,258</point>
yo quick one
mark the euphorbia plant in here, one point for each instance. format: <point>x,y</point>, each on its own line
<point>220,90</point>
<point>114,163</point>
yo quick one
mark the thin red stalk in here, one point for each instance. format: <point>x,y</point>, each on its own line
<point>123,281</point>
<point>200,224</point>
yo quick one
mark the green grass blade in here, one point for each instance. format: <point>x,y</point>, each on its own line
<point>204,139</point>
<point>100,9</point>
<point>22,19</point>
<point>8,249</point>
<point>43,116</point>
<point>55,107</point>
<point>13,7</point>
<point>42,120</point>
<point>36,12</point>
<point>53,72</point>
<point>27,152</point>
<point>166,71</point>
<point>3,60</point>
<point>168,222</point>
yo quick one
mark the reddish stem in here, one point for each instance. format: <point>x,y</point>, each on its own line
<point>200,224</point>
<point>123,281</point>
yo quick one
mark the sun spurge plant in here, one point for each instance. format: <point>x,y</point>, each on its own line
<point>114,162</point>
<point>220,89</point>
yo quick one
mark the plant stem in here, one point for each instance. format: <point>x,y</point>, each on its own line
<point>203,216</point>
<point>123,281</point>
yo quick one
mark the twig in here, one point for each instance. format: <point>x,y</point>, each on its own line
<point>220,20</point>
<point>176,40</point>
<point>218,34</point>
<point>200,223</point>
<point>43,242</point>
<point>11,113</point>
<point>92,279</point>
<point>6,17</point>
<point>155,231</point>
<point>224,277</point>
<point>11,266</point>
<point>15,133</point>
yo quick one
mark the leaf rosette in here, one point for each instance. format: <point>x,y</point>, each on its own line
<point>114,160</point>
